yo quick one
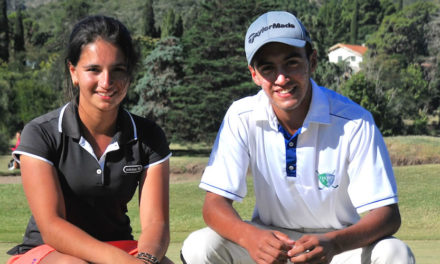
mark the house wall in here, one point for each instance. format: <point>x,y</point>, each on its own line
<point>342,54</point>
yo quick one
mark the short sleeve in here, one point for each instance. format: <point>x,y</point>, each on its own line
<point>154,142</point>
<point>38,142</point>
<point>225,173</point>
<point>372,182</point>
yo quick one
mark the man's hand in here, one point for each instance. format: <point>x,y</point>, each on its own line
<point>264,246</point>
<point>377,223</point>
<point>313,249</point>
<point>267,246</point>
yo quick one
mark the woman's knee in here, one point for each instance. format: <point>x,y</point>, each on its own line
<point>60,258</point>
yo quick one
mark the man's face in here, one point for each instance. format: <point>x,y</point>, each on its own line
<point>284,73</point>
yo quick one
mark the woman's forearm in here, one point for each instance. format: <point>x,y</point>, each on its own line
<point>155,239</point>
<point>71,240</point>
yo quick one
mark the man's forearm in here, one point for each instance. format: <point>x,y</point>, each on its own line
<point>378,223</point>
<point>220,215</point>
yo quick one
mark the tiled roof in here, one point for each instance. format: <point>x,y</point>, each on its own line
<point>356,48</point>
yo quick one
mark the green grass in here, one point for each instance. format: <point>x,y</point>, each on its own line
<point>419,204</point>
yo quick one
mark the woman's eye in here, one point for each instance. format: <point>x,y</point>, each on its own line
<point>120,73</point>
<point>121,70</point>
<point>93,70</point>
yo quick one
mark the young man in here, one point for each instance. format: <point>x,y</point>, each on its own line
<point>317,160</point>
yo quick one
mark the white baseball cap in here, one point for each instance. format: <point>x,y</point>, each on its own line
<point>275,26</point>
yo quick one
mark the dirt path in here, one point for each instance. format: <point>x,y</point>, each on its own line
<point>10,179</point>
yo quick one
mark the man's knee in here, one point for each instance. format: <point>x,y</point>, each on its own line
<point>199,245</point>
<point>392,250</point>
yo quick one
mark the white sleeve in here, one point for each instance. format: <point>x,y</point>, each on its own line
<point>226,171</point>
<point>372,182</point>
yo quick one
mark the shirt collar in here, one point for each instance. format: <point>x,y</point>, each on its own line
<point>263,110</point>
<point>69,124</point>
<point>319,111</point>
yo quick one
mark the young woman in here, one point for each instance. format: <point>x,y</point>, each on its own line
<point>81,164</point>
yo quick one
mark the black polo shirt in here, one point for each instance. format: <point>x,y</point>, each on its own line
<point>96,192</point>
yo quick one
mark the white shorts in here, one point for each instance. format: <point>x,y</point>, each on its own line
<point>206,246</point>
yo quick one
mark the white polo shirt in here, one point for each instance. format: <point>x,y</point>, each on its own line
<point>342,165</point>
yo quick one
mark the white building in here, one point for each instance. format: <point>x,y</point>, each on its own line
<point>349,53</point>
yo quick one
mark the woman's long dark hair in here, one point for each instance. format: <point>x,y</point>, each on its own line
<point>90,29</point>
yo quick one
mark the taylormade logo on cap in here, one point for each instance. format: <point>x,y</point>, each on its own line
<point>254,35</point>
<point>275,26</point>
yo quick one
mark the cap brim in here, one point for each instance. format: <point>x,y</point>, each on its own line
<point>289,41</point>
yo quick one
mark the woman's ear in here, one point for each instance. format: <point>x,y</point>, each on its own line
<point>73,74</point>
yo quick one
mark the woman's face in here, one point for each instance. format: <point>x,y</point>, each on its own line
<point>101,75</point>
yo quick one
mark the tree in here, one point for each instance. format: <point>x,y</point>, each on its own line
<point>414,96</point>
<point>144,46</point>
<point>332,24</point>
<point>76,9</point>
<point>370,17</point>
<point>330,75</point>
<point>169,24</point>
<point>368,95</point>
<point>404,42</point>
<point>172,25</point>
<point>215,68</point>
<point>18,32</point>
<point>148,14</point>
<point>354,24</point>
<point>179,27</point>
<point>6,107</point>
<point>4,32</point>
<point>72,12</point>
<point>336,16</point>
<point>162,72</point>
<point>414,91</point>
<point>403,33</point>
<point>33,99</point>
<point>431,63</point>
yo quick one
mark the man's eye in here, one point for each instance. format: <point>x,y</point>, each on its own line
<point>92,69</point>
<point>266,69</point>
<point>292,63</point>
